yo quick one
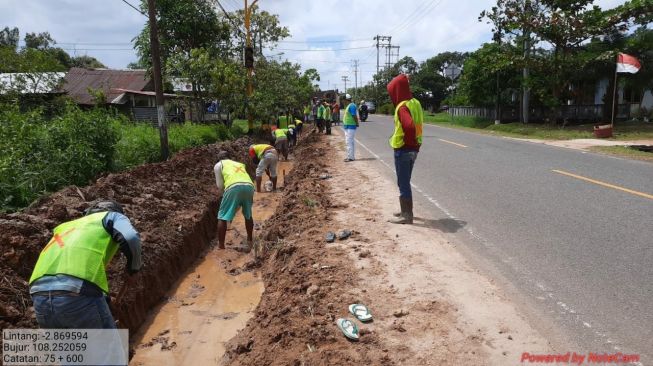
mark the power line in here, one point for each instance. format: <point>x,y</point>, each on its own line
<point>321,50</point>
<point>133,7</point>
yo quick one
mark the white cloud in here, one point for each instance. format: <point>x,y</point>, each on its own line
<point>422,28</point>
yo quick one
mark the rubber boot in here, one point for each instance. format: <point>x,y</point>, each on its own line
<point>406,212</point>
<point>402,209</point>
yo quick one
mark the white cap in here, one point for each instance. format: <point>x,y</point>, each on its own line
<point>347,96</point>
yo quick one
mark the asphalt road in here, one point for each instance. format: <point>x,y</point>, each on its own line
<point>581,250</point>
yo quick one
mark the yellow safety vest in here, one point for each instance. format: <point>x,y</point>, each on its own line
<point>80,248</point>
<point>260,149</point>
<point>349,119</point>
<point>299,122</point>
<point>234,172</point>
<point>280,132</point>
<point>416,112</point>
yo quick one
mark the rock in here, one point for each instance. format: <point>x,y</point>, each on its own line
<point>330,237</point>
<point>400,313</point>
<point>312,290</point>
<point>364,254</point>
<point>344,234</point>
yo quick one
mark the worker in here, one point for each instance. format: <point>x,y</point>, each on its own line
<point>236,190</point>
<point>405,141</point>
<point>350,124</point>
<point>307,112</point>
<point>335,113</point>
<point>69,285</point>
<point>327,117</point>
<point>300,126</point>
<point>281,141</point>
<point>292,134</point>
<point>320,116</point>
<point>265,157</point>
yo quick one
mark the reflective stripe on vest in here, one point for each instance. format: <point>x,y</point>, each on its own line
<point>234,172</point>
<point>80,248</point>
<point>259,149</point>
<point>349,119</point>
<point>416,112</point>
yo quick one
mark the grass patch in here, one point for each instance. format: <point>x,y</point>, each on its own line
<point>631,130</point>
<point>624,151</point>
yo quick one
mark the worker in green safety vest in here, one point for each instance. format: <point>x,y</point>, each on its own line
<point>266,158</point>
<point>236,191</point>
<point>281,141</point>
<point>69,286</point>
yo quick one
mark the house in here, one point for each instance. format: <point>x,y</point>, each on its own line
<point>328,95</point>
<point>129,91</point>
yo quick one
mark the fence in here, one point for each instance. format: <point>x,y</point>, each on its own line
<point>589,113</point>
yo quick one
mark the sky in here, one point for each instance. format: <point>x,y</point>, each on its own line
<point>326,35</point>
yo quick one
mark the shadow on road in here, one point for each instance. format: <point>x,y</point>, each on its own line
<point>444,225</point>
<point>367,159</point>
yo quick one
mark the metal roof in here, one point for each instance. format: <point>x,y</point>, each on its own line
<point>78,81</point>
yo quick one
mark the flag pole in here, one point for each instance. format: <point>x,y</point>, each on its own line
<point>614,93</point>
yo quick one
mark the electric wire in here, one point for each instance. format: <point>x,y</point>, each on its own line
<point>133,7</point>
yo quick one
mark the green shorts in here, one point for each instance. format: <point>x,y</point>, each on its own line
<point>241,195</point>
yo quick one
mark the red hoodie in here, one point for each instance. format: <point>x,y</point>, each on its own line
<point>399,91</point>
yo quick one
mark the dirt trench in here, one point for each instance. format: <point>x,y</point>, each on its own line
<point>172,204</point>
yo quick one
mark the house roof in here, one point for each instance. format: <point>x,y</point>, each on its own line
<point>122,97</point>
<point>78,81</point>
<point>31,83</point>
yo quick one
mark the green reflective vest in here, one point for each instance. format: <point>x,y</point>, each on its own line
<point>80,248</point>
<point>260,149</point>
<point>234,172</point>
<point>320,111</point>
<point>416,112</point>
<point>280,133</point>
<point>349,119</point>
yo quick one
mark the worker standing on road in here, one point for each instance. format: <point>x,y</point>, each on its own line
<point>406,141</point>
<point>327,117</point>
<point>69,285</point>
<point>266,158</point>
<point>236,189</point>
<point>350,124</point>
<point>281,141</point>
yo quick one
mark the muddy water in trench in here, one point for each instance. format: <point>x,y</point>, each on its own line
<point>207,306</point>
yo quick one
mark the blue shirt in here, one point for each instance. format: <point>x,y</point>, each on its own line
<point>122,231</point>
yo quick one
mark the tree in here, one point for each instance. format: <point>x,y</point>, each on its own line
<point>9,37</point>
<point>429,83</point>
<point>86,62</point>
<point>41,41</point>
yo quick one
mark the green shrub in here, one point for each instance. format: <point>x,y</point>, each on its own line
<point>41,155</point>
<point>387,108</point>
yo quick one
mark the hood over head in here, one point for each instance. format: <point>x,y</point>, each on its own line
<point>399,89</point>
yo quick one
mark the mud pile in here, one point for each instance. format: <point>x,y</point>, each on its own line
<point>305,281</point>
<point>172,204</point>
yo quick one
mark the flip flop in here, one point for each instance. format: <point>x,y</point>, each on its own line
<point>361,312</point>
<point>348,328</point>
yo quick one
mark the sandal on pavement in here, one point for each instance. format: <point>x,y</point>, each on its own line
<point>348,328</point>
<point>361,312</point>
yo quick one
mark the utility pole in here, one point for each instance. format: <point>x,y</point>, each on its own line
<point>249,63</point>
<point>345,79</point>
<point>380,43</point>
<point>158,83</point>
<point>355,64</point>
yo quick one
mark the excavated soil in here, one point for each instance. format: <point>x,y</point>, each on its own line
<point>172,204</point>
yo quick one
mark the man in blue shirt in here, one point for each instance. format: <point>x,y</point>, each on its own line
<point>349,124</point>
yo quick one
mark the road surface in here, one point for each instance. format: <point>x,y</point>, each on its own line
<point>572,231</point>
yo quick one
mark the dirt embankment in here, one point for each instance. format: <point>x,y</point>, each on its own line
<point>172,204</point>
<point>305,281</point>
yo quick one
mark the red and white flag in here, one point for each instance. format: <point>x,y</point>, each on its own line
<point>627,63</point>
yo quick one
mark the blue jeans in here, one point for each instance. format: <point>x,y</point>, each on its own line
<point>404,162</point>
<point>83,312</point>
